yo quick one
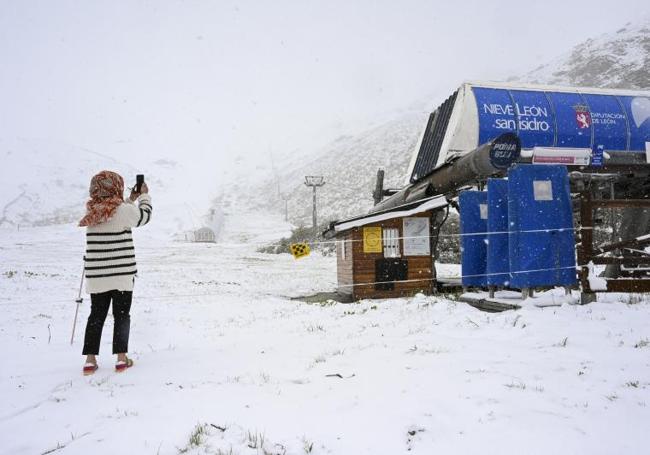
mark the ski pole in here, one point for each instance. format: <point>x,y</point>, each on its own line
<point>79,300</point>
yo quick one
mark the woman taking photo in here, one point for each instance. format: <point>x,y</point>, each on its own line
<point>110,265</point>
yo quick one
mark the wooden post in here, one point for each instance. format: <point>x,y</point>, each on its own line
<point>585,252</point>
<point>433,286</point>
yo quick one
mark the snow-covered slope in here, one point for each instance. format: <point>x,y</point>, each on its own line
<point>226,363</point>
<point>615,60</point>
<point>46,183</point>
<point>43,182</point>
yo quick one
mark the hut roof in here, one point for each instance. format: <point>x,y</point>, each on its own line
<point>395,212</point>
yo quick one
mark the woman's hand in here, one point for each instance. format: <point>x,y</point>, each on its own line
<point>144,189</point>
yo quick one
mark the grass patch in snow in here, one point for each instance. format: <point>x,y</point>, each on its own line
<point>522,386</point>
<point>427,350</point>
<point>302,234</point>
<point>307,445</point>
<point>315,328</point>
<point>317,360</point>
<point>203,440</point>
<point>197,438</point>
<point>516,385</point>
<point>635,298</point>
<point>255,440</point>
<point>642,343</point>
<point>562,344</point>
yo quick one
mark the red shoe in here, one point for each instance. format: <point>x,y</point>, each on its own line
<point>122,365</point>
<point>89,368</point>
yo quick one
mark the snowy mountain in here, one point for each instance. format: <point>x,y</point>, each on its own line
<point>41,186</point>
<point>44,182</point>
<point>613,60</point>
<point>349,165</point>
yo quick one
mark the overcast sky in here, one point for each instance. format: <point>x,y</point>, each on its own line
<point>184,79</point>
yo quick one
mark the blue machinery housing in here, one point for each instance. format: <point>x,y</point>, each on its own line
<point>556,119</point>
<point>473,230</point>
<point>541,116</point>
<point>498,264</point>
<point>542,239</point>
<point>534,207</point>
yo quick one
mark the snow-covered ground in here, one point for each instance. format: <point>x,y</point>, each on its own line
<point>227,363</point>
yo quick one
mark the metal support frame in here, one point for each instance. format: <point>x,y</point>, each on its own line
<point>314,181</point>
<point>588,254</point>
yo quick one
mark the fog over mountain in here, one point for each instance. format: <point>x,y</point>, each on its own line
<point>44,180</point>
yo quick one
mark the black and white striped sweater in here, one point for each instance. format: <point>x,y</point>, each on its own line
<point>110,253</point>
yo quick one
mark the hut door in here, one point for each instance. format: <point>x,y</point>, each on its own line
<point>389,270</point>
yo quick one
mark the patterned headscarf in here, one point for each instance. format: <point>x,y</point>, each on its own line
<point>106,195</point>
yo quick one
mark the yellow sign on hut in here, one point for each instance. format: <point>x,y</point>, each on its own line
<point>372,240</point>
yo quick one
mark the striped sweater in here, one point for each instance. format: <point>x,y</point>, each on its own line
<point>110,254</point>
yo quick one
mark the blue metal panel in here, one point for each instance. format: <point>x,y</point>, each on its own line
<point>473,220</point>
<point>638,119</point>
<point>496,113</point>
<point>572,119</point>
<point>498,264</point>
<point>541,240</point>
<point>560,119</point>
<point>535,120</point>
<point>609,121</point>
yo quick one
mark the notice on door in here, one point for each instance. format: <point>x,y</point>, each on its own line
<point>416,237</point>
<point>372,240</point>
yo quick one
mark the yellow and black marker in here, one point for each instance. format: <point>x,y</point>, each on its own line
<point>299,250</point>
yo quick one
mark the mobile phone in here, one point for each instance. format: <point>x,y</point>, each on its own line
<point>139,180</point>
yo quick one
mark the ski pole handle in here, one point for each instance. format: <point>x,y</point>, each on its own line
<point>79,300</point>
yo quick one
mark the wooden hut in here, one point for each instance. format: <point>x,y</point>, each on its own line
<point>204,235</point>
<point>387,254</point>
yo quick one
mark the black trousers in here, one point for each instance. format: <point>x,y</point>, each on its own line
<point>98,311</point>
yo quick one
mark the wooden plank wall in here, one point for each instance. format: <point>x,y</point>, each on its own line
<point>344,266</point>
<point>419,267</point>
